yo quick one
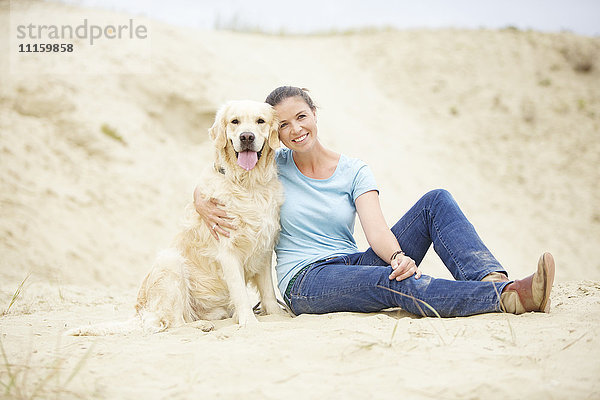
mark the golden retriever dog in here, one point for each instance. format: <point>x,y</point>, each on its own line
<point>200,278</point>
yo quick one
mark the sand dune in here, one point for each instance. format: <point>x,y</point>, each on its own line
<point>97,166</point>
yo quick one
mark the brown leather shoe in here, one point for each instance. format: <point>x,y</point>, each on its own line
<point>532,293</point>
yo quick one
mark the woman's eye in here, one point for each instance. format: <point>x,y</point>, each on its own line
<point>301,116</point>
<point>260,121</point>
<point>235,121</point>
<point>283,125</point>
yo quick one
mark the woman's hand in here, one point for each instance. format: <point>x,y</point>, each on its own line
<point>404,267</point>
<point>213,215</point>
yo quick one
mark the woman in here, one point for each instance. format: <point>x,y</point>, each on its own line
<point>319,267</point>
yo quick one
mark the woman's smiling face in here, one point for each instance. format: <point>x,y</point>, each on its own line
<point>298,124</point>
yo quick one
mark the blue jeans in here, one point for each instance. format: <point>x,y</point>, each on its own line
<point>359,282</point>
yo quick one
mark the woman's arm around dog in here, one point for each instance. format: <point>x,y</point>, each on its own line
<point>212,213</point>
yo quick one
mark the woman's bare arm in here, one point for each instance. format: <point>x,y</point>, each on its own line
<point>381,238</point>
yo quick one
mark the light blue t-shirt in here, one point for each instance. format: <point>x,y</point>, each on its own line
<point>317,216</point>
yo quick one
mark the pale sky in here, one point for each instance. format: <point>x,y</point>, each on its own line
<point>579,16</point>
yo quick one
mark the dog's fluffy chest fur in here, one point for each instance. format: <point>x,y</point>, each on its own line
<point>256,216</point>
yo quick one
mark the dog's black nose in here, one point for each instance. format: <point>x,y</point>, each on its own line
<point>247,137</point>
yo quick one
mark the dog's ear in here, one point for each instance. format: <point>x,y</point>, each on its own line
<point>274,132</point>
<point>217,132</point>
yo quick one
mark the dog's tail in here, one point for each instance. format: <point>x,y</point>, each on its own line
<point>108,328</point>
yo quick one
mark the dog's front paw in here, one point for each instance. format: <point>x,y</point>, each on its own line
<point>273,308</point>
<point>247,319</point>
<point>204,326</point>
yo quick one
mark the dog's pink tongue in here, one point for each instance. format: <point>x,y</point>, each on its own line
<point>247,159</point>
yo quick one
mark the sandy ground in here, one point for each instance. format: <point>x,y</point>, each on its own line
<point>346,355</point>
<point>100,153</point>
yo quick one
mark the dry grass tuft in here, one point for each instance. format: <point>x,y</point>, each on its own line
<point>418,303</point>
<point>16,382</point>
<point>16,295</point>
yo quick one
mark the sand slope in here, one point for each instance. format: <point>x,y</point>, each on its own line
<point>96,167</point>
